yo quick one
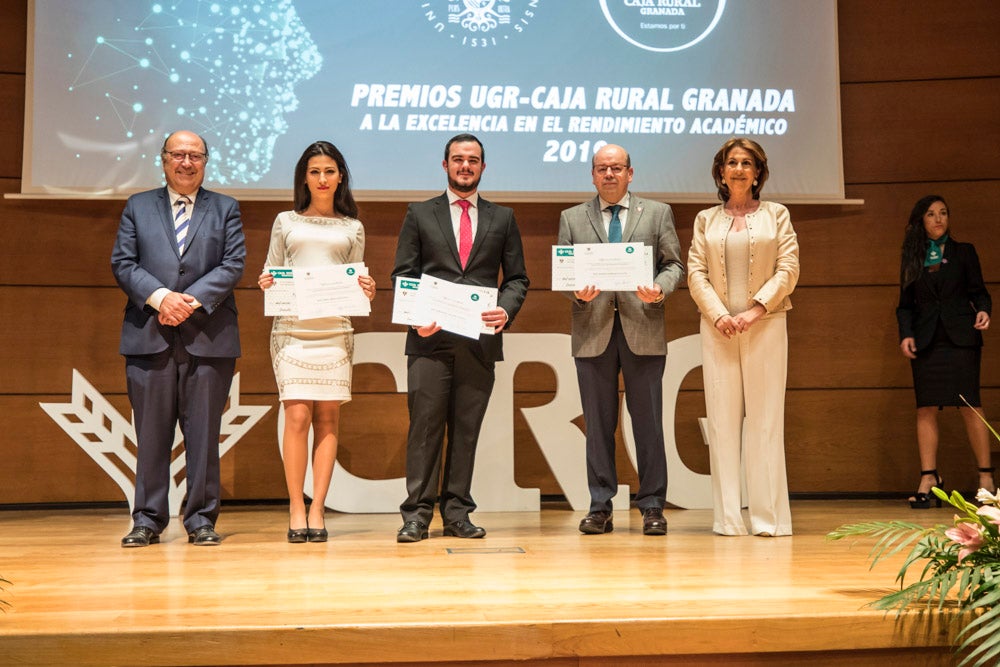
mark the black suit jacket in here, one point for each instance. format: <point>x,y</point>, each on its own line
<point>953,297</point>
<point>427,245</point>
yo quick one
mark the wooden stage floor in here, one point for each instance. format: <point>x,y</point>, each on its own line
<point>534,591</point>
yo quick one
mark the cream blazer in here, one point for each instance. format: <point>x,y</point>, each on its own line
<point>774,260</point>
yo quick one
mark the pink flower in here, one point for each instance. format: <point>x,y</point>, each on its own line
<point>992,514</point>
<point>968,535</point>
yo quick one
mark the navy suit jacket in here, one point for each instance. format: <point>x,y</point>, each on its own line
<point>145,258</point>
<point>427,245</point>
<point>954,299</point>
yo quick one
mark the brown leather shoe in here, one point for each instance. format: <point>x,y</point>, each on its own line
<point>597,523</point>
<point>653,521</point>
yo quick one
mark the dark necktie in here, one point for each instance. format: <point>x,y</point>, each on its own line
<point>615,228</point>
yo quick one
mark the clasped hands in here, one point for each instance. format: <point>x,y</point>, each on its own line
<point>731,325</point>
<point>266,280</point>
<point>645,294</point>
<point>175,308</point>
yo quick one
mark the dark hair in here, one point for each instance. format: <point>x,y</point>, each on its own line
<point>343,200</point>
<point>915,240</point>
<point>760,162</point>
<point>463,138</point>
<point>163,149</point>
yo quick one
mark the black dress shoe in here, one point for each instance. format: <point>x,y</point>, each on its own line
<point>298,535</point>
<point>412,531</point>
<point>317,534</point>
<point>653,521</point>
<point>597,523</point>
<point>465,529</point>
<point>140,537</point>
<point>205,537</point>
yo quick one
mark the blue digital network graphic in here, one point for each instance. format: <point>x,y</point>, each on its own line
<point>227,70</point>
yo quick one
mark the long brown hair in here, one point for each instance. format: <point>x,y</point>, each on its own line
<point>343,199</point>
<point>915,240</point>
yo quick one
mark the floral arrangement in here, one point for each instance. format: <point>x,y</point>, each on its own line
<point>961,567</point>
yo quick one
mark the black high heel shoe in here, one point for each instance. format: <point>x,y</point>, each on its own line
<point>298,535</point>
<point>922,501</point>
<point>317,534</point>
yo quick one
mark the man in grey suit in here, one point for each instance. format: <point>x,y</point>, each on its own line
<point>462,238</point>
<point>178,255</point>
<point>622,332</point>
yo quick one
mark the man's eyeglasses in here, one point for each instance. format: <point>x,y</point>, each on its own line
<point>195,158</point>
<point>616,169</point>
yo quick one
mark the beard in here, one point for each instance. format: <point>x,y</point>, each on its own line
<point>463,189</point>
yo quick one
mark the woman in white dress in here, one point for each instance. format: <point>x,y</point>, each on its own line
<point>312,358</point>
<point>743,265</point>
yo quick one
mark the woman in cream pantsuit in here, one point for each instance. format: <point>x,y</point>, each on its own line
<point>743,264</point>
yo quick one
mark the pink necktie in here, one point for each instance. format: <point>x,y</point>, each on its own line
<point>464,232</point>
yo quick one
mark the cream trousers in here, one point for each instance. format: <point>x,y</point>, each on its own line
<point>745,377</point>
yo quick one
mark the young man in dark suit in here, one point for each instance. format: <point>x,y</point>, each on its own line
<point>459,237</point>
<point>179,253</point>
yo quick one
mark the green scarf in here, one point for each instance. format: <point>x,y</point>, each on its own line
<point>935,250</point>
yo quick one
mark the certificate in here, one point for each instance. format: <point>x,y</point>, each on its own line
<point>619,267</point>
<point>327,291</point>
<point>404,302</point>
<point>454,307</point>
<point>563,273</point>
<point>279,298</point>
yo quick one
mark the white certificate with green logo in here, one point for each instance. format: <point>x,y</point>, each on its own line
<point>279,298</point>
<point>618,267</point>
<point>563,273</point>
<point>327,291</point>
<point>454,307</point>
<point>404,302</point>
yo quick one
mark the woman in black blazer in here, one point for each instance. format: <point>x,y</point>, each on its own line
<point>943,309</point>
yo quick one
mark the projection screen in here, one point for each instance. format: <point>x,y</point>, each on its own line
<point>543,83</point>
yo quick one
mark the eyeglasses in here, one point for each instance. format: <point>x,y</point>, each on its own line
<point>616,169</point>
<point>195,158</point>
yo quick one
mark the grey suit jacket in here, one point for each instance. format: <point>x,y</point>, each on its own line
<point>145,258</point>
<point>427,245</point>
<point>648,222</point>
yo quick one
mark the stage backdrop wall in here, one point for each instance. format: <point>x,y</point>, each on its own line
<point>919,92</point>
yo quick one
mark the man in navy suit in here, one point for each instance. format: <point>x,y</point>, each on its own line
<point>460,237</point>
<point>179,253</point>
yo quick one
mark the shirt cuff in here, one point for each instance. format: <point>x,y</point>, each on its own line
<point>157,297</point>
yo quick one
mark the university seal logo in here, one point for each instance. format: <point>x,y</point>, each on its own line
<point>480,23</point>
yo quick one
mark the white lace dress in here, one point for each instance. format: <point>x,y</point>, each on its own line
<point>312,358</point>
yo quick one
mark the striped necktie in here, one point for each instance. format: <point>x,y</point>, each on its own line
<point>181,220</point>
